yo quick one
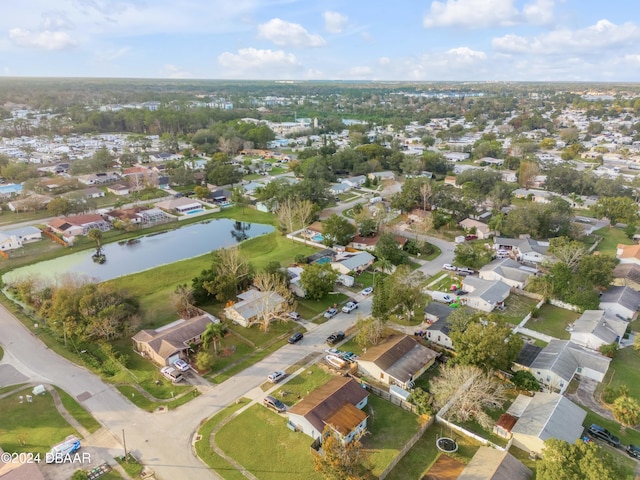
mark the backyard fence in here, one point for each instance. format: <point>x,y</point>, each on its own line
<point>412,441</point>
<point>532,333</point>
<point>388,397</point>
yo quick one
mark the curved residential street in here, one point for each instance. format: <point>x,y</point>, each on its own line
<point>162,441</point>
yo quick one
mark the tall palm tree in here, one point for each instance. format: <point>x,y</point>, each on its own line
<point>214,332</point>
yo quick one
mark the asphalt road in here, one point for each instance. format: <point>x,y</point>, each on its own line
<point>161,441</point>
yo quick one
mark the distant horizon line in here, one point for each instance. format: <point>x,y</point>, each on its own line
<point>306,81</point>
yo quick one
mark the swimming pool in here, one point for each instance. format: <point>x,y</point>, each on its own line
<point>197,210</point>
<point>317,237</point>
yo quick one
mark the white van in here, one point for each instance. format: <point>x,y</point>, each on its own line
<point>172,374</point>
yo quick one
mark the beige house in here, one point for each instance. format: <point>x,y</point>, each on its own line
<point>482,230</point>
<point>78,224</point>
<point>544,416</point>
<point>398,360</point>
<point>254,305</point>
<point>169,343</point>
<point>337,404</point>
<point>492,464</point>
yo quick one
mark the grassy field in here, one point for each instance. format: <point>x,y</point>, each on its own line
<point>390,427</point>
<point>553,321</point>
<point>31,427</point>
<point>624,369</point>
<point>78,412</point>
<point>274,451</point>
<point>611,237</point>
<point>203,447</point>
<point>516,308</point>
<point>300,386</point>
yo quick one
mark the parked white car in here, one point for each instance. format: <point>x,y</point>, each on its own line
<point>448,266</point>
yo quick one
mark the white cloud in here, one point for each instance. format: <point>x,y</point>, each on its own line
<point>256,63</point>
<point>604,35</point>
<point>487,13</point>
<point>173,71</point>
<point>287,34</point>
<point>44,40</point>
<point>384,60</point>
<point>360,72</point>
<point>334,22</point>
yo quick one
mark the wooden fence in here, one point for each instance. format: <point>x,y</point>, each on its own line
<point>407,446</point>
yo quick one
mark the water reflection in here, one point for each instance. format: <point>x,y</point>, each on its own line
<point>147,252</point>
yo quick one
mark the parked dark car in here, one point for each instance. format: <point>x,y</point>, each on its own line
<point>596,431</point>
<point>335,337</point>
<point>633,451</point>
<point>296,337</point>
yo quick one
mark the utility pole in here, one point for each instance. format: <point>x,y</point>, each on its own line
<point>124,442</point>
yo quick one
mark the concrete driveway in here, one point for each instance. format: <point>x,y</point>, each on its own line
<point>162,441</point>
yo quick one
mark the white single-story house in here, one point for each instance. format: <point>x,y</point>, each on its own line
<point>398,360</point>
<point>119,189</point>
<point>544,416</point>
<point>507,271</point>
<point>527,250</point>
<point>594,329</point>
<point>180,205</point>
<point>620,302</point>
<point>25,234</point>
<point>339,404</point>
<point>355,181</point>
<point>509,176</point>
<point>556,364</point>
<point>253,306</point>
<point>386,175</point>
<point>436,315</point>
<point>339,188</point>
<point>537,196</point>
<point>484,295</point>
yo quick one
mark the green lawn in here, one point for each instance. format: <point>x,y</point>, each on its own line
<point>300,386</point>
<point>424,453</point>
<point>390,427</point>
<point>140,401</point>
<point>310,308</point>
<point>78,412</point>
<point>31,427</point>
<point>516,308</point>
<point>203,447</point>
<point>131,466</point>
<point>274,452</point>
<point>631,436</point>
<point>1,353</point>
<point>553,321</point>
<point>624,369</point>
<point>611,237</point>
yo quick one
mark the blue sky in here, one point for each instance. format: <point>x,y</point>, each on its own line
<point>522,40</point>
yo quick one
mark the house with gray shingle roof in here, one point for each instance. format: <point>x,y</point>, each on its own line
<point>527,250</point>
<point>508,271</point>
<point>594,329</point>
<point>354,263</point>
<point>620,302</point>
<point>484,295</point>
<point>253,306</point>
<point>547,415</point>
<point>558,362</point>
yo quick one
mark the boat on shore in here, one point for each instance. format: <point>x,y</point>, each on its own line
<point>335,361</point>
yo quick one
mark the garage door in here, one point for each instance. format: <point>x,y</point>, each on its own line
<point>173,358</point>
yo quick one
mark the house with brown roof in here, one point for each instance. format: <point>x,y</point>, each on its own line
<point>167,344</point>
<point>14,470</point>
<point>398,360</point>
<point>369,243</point>
<point>78,224</point>
<point>337,404</point>
<point>628,254</point>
